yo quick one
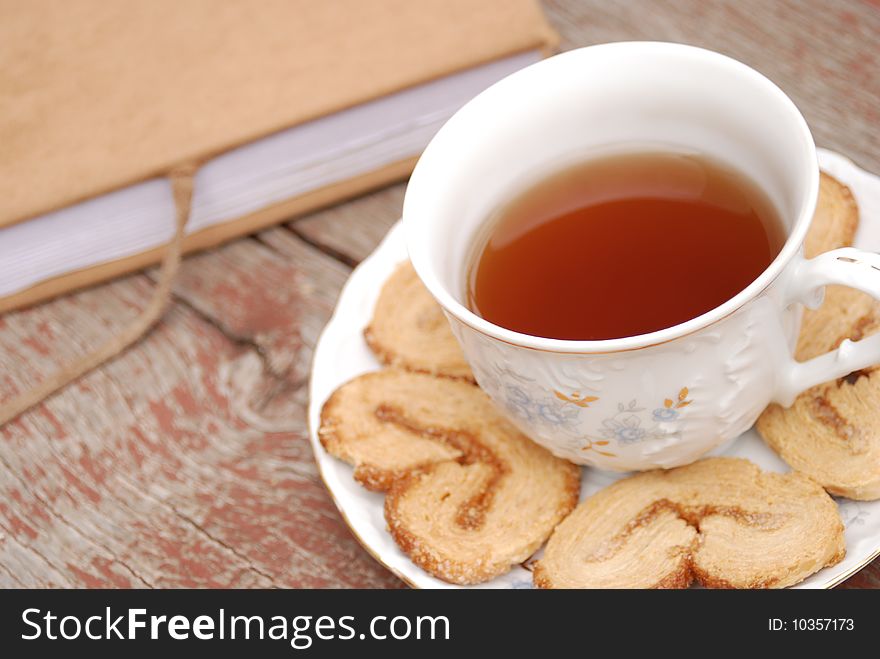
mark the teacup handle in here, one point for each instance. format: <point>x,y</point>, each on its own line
<point>849,267</point>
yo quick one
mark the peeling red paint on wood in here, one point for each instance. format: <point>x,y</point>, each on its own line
<point>173,478</point>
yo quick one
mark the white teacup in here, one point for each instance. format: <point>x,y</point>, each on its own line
<point>665,398</point>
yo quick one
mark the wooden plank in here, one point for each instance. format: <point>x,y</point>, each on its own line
<point>185,462</point>
<point>823,54</point>
<point>351,231</point>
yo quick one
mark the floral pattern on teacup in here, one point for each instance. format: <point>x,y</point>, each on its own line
<point>670,409</point>
<point>546,411</point>
<point>577,398</point>
<point>629,426</point>
<point>626,429</point>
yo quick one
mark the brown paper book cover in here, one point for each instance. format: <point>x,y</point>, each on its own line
<point>99,96</point>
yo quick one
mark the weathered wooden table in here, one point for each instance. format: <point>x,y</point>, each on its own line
<point>185,462</point>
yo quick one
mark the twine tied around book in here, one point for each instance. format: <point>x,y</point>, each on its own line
<point>182,188</point>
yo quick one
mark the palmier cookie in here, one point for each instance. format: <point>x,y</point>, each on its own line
<point>468,495</point>
<point>409,330</point>
<point>721,521</point>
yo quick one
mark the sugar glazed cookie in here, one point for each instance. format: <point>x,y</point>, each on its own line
<point>409,330</point>
<point>468,495</point>
<point>832,431</point>
<point>721,522</point>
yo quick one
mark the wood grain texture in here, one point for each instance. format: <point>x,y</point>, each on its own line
<point>186,461</point>
<point>351,231</point>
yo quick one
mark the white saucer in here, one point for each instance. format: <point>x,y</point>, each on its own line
<point>341,354</point>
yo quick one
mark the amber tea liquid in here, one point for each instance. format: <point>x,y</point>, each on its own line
<point>621,246</point>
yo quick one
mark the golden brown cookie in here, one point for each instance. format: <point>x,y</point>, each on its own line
<point>835,220</point>
<point>721,521</point>
<point>409,330</point>
<point>468,494</point>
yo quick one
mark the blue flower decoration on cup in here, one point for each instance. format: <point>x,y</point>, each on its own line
<point>630,434</point>
<point>665,414</point>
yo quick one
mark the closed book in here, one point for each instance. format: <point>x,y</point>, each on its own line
<point>285,105</point>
